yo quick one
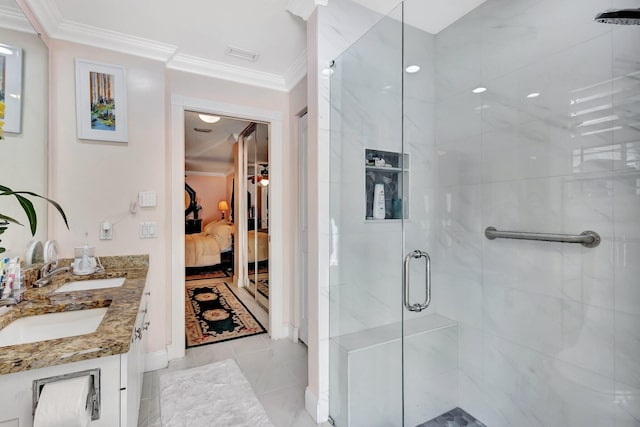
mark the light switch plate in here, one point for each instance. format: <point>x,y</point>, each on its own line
<point>148,230</point>
<point>147,199</point>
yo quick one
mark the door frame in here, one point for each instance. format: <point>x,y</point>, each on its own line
<point>180,104</point>
<point>302,242</point>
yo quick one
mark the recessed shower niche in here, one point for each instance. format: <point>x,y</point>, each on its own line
<point>386,177</point>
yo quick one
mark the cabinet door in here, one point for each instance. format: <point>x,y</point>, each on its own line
<point>16,391</point>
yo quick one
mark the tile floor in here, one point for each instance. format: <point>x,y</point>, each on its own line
<point>276,369</point>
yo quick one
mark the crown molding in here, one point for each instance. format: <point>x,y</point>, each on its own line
<point>304,8</point>
<point>13,19</point>
<point>47,13</point>
<point>220,70</point>
<point>56,27</point>
<point>296,72</point>
<point>113,40</point>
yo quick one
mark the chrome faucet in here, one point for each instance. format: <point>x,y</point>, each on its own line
<point>49,270</point>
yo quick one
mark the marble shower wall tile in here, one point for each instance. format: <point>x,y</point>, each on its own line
<point>627,350</point>
<point>527,388</point>
<point>627,272</point>
<point>547,331</point>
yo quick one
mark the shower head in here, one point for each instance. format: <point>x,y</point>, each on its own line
<point>619,16</point>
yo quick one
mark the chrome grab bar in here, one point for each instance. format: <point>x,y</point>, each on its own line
<point>405,281</point>
<point>589,239</point>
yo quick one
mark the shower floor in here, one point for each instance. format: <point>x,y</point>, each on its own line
<point>454,418</point>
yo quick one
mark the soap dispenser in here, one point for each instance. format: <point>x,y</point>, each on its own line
<point>84,261</point>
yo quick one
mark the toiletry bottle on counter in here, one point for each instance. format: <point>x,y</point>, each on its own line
<point>378,202</point>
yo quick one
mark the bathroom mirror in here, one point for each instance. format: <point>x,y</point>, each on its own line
<point>23,154</point>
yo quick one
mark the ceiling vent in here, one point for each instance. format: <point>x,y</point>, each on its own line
<point>247,55</point>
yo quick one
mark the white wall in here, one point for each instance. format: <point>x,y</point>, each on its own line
<point>95,181</point>
<point>330,30</point>
<point>23,156</point>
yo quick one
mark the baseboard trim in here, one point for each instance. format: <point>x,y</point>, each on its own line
<point>156,360</point>
<point>313,407</point>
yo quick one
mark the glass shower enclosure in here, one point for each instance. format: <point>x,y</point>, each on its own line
<point>485,205</point>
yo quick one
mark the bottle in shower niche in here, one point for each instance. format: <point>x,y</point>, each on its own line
<point>378,202</point>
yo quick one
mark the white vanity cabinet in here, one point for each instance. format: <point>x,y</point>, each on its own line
<point>16,391</point>
<point>132,367</point>
<point>120,383</point>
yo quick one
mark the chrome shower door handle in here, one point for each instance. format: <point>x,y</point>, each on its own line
<point>418,307</point>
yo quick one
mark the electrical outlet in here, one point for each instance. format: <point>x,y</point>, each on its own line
<point>106,231</point>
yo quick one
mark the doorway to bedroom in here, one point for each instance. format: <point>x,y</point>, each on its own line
<point>226,182</point>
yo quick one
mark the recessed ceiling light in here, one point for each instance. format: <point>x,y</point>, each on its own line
<point>479,89</point>
<point>533,95</point>
<point>209,119</point>
<point>412,69</point>
<point>5,51</point>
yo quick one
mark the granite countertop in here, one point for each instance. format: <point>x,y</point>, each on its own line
<point>112,337</point>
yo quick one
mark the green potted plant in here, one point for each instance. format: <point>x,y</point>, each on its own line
<point>27,205</point>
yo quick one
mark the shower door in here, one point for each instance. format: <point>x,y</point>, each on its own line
<point>366,207</point>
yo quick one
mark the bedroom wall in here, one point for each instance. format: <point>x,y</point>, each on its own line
<point>209,191</point>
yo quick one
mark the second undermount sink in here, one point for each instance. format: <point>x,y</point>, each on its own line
<point>50,326</point>
<point>89,285</point>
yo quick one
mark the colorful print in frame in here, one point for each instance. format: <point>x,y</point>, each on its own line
<point>11,87</point>
<point>101,101</point>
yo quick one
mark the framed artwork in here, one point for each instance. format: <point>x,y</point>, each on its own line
<point>101,101</point>
<point>11,87</point>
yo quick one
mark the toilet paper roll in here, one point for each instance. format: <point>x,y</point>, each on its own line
<point>64,404</point>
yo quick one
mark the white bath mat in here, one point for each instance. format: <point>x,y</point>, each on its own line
<point>211,395</point>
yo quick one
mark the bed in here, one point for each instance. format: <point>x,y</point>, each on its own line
<point>262,248</point>
<point>206,248</point>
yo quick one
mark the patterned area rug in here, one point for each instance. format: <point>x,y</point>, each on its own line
<point>263,284</point>
<point>214,314</point>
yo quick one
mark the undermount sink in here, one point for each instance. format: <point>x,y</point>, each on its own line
<point>50,326</point>
<point>88,285</point>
